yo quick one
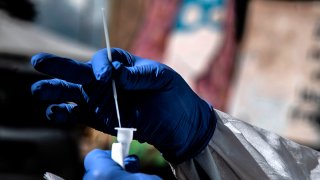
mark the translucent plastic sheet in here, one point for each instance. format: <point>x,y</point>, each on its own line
<point>241,151</point>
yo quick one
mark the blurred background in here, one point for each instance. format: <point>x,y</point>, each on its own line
<point>258,60</point>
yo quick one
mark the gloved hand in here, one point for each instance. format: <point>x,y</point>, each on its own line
<point>152,98</point>
<point>99,166</point>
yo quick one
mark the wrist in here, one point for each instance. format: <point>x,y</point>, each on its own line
<point>197,139</point>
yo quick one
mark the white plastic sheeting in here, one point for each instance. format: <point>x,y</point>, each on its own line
<point>239,150</point>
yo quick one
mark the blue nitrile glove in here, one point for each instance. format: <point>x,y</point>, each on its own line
<point>152,98</point>
<point>99,166</point>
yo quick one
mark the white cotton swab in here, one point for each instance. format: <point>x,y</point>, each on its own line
<point>120,149</point>
<point>106,34</point>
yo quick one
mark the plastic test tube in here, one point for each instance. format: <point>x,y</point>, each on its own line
<point>121,149</point>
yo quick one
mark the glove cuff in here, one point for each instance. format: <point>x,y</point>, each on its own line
<point>197,143</point>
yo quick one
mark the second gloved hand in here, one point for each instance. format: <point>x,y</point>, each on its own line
<point>99,166</point>
<point>152,98</point>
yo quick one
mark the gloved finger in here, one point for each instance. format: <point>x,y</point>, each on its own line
<point>62,113</point>
<point>92,158</point>
<point>132,72</point>
<point>56,90</point>
<point>145,74</point>
<point>132,163</point>
<point>99,165</point>
<point>63,68</point>
<point>101,65</point>
<point>74,113</point>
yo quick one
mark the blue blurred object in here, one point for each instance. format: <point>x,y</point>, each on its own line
<point>99,166</point>
<point>152,98</point>
<point>195,14</point>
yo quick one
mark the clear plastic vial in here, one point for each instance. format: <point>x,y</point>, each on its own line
<point>121,149</point>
